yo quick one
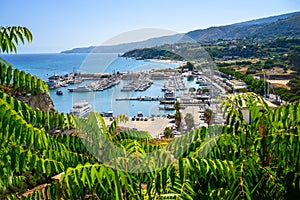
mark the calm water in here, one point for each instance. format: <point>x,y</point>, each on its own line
<point>45,65</point>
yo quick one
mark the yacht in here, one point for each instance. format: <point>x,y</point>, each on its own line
<point>81,109</point>
<point>169,95</point>
<point>53,84</point>
<point>80,89</point>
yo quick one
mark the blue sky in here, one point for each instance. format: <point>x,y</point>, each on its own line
<point>65,24</point>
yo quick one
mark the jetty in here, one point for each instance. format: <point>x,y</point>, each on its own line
<point>100,85</point>
<point>105,83</point>
<point>174,83</point>
<point>169,100</point>
<point>141,98</point>
<point>140,82</point>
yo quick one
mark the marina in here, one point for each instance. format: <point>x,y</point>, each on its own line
<point>141,98</point>
<point>139,82</point>
<point>174,83</point>
<point>99,85</point>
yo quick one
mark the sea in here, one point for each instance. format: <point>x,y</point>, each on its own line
<point>46,65</point>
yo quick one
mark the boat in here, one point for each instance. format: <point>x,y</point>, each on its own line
<point>64,84</point>
<point>81,109</point>
<point>164,101</point>
<point>53,84</point>
<point>169,95</point>
<point>80,89</point>
<point>167,107</point>
<point>140,114</point>
<point>59,92</point>
<point>109,114</point>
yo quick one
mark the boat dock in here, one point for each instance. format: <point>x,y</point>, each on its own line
<point>100,85</point>
<point>174,83</point>
<point>141,98</point>
<point>140,83</point>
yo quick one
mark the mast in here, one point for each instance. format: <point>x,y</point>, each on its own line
<point>265,85</point>
<point>268,86</point>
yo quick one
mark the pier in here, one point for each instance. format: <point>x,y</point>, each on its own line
<point>140,83</point>
<point>141,98</point>
<point>174,83</point>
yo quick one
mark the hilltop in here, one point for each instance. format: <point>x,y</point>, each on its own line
<point>260,29</point>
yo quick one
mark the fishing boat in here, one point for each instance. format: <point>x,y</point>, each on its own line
<point>81,109</point>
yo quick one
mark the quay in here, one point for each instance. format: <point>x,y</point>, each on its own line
<point>140,83</point>
<point>141,98</point>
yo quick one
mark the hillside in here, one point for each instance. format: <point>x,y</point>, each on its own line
<point>267,19</point>
<point>121,48</point>
<point>151,53</point>
<point>288,27</point>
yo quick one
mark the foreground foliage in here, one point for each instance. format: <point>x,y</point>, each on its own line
<point>240,160</point>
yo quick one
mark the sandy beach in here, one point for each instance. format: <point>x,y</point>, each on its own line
<point>177,62</point>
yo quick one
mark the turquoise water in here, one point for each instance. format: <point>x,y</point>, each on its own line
<point>45,65</point>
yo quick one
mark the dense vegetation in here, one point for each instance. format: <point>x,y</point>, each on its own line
<point>258,85</point>
<point>289,26</point>
<point>249,48</point>
<point>257,160</point>
<point>152,53</point>
<point>281,53</point>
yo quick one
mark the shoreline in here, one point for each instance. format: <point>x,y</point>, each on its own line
<point>176,62</point>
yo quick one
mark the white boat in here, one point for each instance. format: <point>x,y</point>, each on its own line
<point>81,109</point>
<point>80,89</point>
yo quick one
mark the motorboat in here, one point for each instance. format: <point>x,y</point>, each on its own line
<point>59,92</point>
<point>80,89</point>
<point>81,109</point>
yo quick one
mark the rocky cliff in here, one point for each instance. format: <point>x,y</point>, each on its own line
<point>42,101</point>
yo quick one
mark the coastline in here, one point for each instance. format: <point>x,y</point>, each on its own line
<point>176,62</point>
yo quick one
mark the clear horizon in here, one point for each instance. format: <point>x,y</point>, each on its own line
<point>61,25</point>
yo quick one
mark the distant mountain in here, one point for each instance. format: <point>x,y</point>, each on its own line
<point>286,25</point>
<point>121,48</point>
<point>267,28</point>
<point>267,19</point>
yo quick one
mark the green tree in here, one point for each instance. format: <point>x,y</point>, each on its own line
<point>208,115</point>
<point>177,106</point>
<point>199,91</point>
<point>205,90</point>
<point>189,121</point>
<point>178,118</point>
<point>192,89</point>
<point>168,133</point>
<point>268,64</point>
<point>190,66</point>
<point>11,36</point>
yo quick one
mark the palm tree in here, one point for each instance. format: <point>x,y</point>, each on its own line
<point>189,121</point>
<point>177,106</point>
<point>168,133</point>
<point>208,115</point>
<point>178,119</point>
